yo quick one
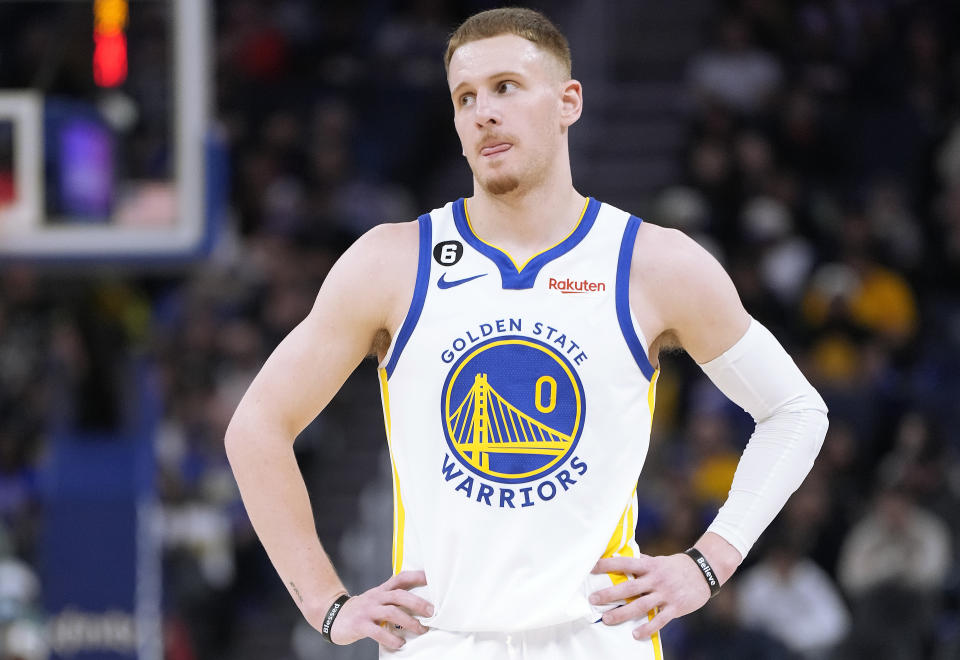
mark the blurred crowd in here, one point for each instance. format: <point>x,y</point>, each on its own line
<point>822,168</point>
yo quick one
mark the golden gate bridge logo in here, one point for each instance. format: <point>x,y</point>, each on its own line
<point>525,426</point>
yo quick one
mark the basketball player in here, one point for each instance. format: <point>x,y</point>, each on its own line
<point>518,334</point>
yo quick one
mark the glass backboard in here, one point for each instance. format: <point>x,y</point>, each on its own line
<point>105,144</point>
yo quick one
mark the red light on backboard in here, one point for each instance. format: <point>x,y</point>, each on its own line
<point>110,43</point>
<point>109,59</point>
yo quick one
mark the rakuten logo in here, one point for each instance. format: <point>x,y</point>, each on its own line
<point>572,286</point>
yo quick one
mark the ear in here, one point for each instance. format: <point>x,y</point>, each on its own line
<point>571,102</point>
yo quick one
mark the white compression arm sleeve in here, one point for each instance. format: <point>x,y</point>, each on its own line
<point>757,374</point>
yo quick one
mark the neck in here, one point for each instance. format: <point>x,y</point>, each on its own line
<point>525,222</point>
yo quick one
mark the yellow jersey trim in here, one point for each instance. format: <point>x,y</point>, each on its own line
<point>398,513</point>
<point>652,393</point>
<point>655,638</point>
<point>621,539</point>
<point>652,402</point>
<point>509,256</point>
<point>625,530</point>
<point>623,533</point>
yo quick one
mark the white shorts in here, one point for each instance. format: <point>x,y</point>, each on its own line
<point>576,640</point>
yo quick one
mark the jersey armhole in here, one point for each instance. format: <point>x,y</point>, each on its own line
<point>629,327</point>
<point>400,338</point>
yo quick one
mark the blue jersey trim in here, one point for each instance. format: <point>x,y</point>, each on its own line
<point>419,292</point>
<point>524,277</point>
<point>623,297</point>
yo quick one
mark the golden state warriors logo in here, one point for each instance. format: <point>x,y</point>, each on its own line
<point>513,409</point>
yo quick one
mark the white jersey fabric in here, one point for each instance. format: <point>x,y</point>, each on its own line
<point>518,402</point>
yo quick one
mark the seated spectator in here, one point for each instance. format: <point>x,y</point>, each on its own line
<point>737,73</point>
<point>892,565</point>
<point>21,619</point>
<point>715,632</point>
<point>865,294</point>
<point>793,599</point>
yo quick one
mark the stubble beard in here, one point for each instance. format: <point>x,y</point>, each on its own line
<point>504,183</point>
<point>501,185</point>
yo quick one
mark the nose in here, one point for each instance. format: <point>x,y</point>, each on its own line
<point>486,108</point>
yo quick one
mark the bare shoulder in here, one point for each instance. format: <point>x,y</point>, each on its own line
<point>662,252</point>
<point>387,251</point>
<point>684,292</point>
<point>356,303</point>
<point>375,277</point>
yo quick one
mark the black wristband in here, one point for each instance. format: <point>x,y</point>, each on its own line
<point>706,569</point>
<point>331,616</point>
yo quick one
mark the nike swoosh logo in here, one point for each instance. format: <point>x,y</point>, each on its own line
<point>443,283</point>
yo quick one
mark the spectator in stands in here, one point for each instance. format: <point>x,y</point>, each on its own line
<point>892,566</point>
<point>793,599</point>
<point>736,73</point>
<point>815,112</point>
<point>21,618</point>
<point>717,633</point>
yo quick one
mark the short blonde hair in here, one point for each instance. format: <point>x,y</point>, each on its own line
<point>526,23</point>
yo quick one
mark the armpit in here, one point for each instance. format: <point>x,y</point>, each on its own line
<point>666,342</point>
<point>380,344</point>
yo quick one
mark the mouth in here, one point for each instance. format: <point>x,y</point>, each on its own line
<point>494,149</point>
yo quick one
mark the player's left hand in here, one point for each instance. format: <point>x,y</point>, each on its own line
<point>673,585</point>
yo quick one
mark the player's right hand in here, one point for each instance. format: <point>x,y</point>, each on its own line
<point>375,612</point>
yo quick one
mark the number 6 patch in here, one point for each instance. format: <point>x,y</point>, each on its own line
<point>448,253</point>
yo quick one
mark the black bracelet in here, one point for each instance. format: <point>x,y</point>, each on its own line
<point>706,569</point>
<point>332,615</point>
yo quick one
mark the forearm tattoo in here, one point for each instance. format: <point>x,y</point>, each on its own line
<point>296,591</point>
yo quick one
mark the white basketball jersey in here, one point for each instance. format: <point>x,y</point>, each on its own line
<point>518,401</point>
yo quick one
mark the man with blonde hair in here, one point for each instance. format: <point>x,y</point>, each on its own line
<point>518,334</point>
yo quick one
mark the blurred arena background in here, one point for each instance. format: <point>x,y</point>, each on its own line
<point>177,176</point>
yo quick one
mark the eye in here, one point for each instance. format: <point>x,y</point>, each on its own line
<point>465,100</point>
<point>506,86</point>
